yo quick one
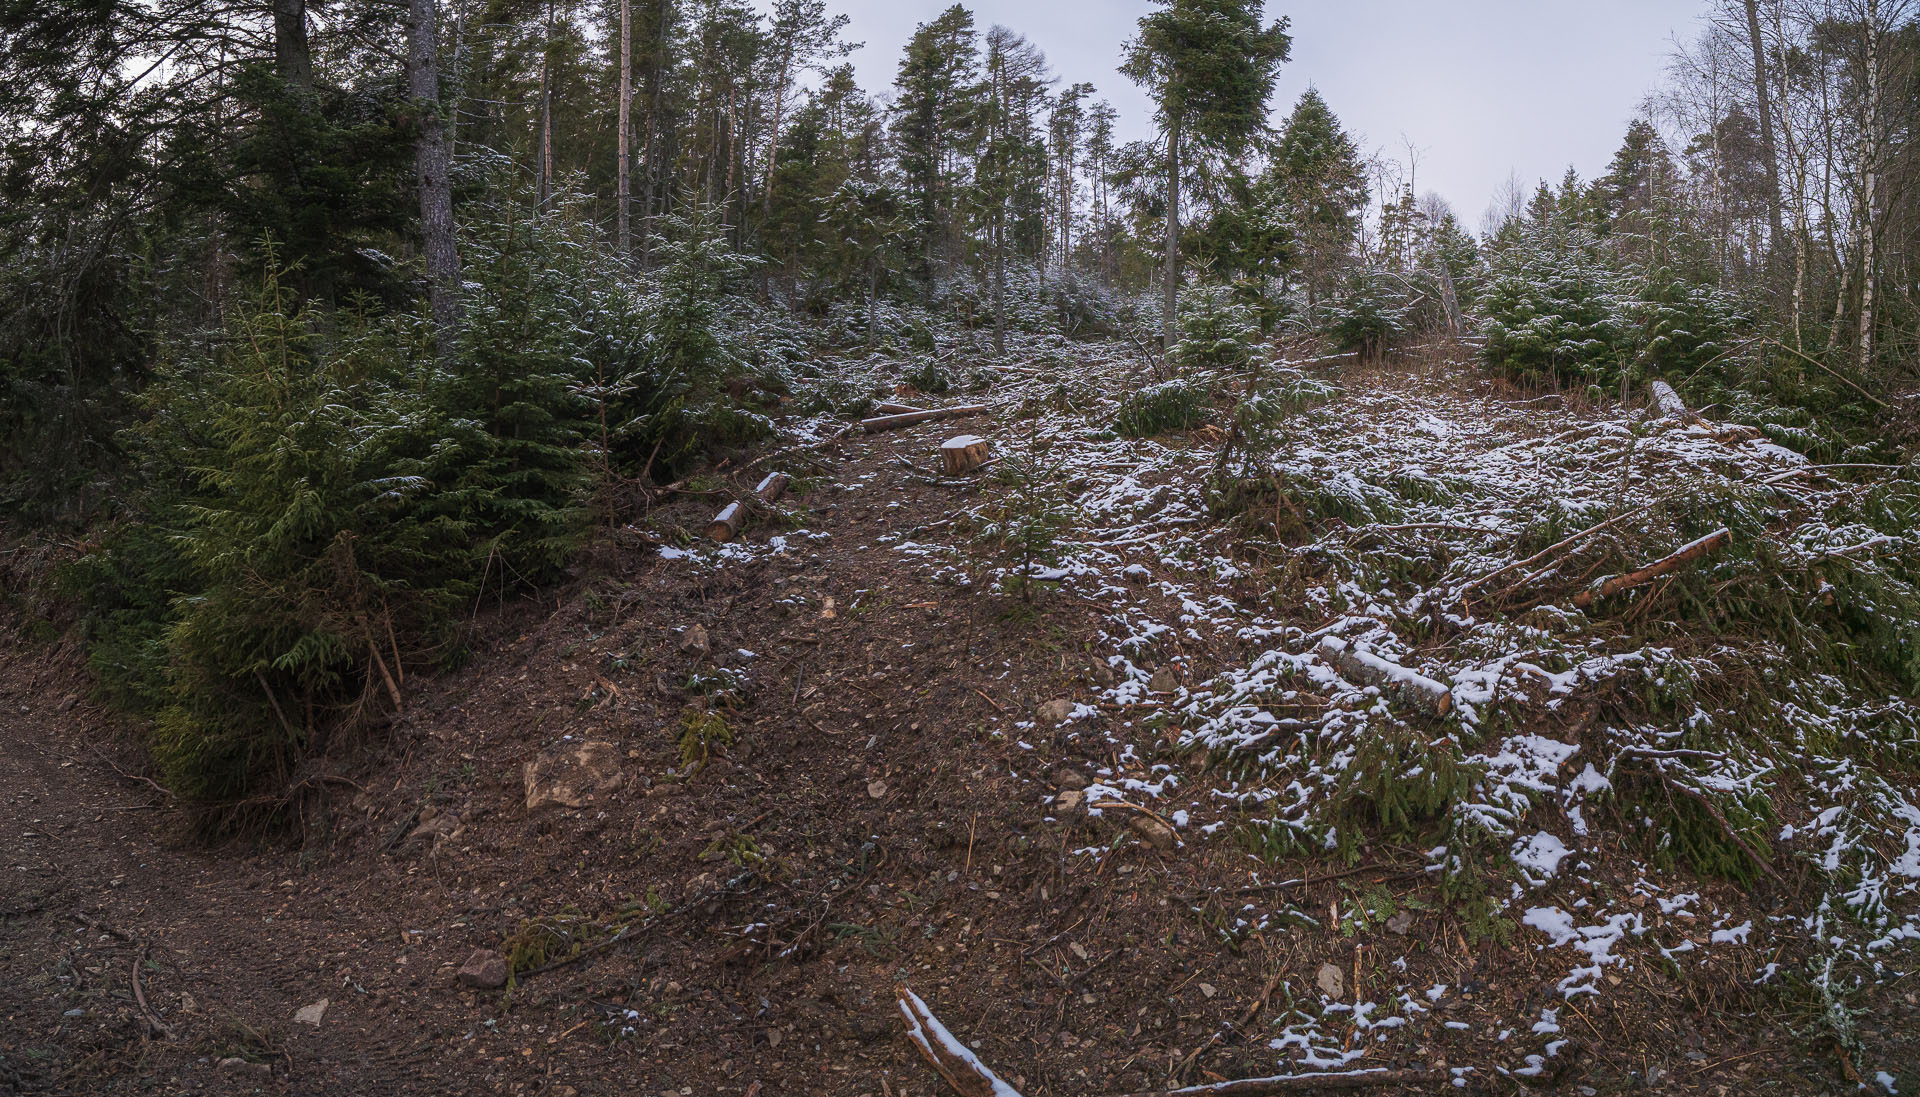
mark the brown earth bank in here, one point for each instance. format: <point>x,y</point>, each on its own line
<point>729,910</point>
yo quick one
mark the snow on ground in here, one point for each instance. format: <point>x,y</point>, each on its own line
<point>1402,501</point>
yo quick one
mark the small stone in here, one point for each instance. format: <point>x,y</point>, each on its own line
<point>1055,712</point>
<point>1401,923</point>
<point>1100,672</point>
<point>485,969</point>
<point>877,789</point>
<point>1331,982</point>
<point>774,1036</point>
<point>695,642</point>
<point>1164,680</point>
<point>1154,832</point>
<point>571,774</point>
<point>1070,800</point>
<point>1207,990</point>
<point>311,1015</point>
<point>1070,778</point>
<point>237,1065</point>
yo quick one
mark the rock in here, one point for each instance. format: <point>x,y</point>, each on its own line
<point>695,642</point>
<point>1054,712</point>
<point>1207,990</point>
<point>1070,778</point>
<point>1154,832</point>
<point>311,1015</point>
<point>1401,923</point>
<point>1331,982</point>
<point>485,969</point>
<point>1070,800</point>
<point>432,830</point>
<point>877,789</point>
<point>571,774</point>
<point>237,1065</point>
<point>1164,680</point>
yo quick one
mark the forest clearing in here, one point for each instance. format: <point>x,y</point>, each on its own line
<point>569,550</point>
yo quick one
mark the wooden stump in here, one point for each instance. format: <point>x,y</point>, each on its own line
<point>959,456</point>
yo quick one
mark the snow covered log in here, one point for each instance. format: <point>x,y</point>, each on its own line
<point>1409,686</point>
<point>957,1063</point>
<point>772,488</point>
<point>1668,401</point>
<point>1666,565</point>
<point>961,455</point>
<point>907,419</point>
<point>888,407</point>
<point>726,524</point>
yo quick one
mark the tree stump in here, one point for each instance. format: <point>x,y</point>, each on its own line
<point>959,456</point>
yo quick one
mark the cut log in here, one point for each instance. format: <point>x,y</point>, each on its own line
<point>1668,401</point>
<point>962,1069</point>
<point>961,455</point>
<point>888,407</point>
<point>726,524</point>
<point>1666,565</point>
<point>907,419</point>
<point>1406,685</point>
<point>1318,1082</point>
<point>772,488</point>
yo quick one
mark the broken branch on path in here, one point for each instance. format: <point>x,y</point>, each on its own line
<point>907,419</point>
<point>726,524</point>
<point>1666,565</point>
<point>962,1069</point>
<point>1305,1083</point>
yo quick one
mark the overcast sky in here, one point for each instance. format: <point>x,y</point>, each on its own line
<point>1482,88</point>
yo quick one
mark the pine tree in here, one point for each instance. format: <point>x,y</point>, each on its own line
<point>1321,184</point>
<point>935,111</point>
<point>1210,66</point>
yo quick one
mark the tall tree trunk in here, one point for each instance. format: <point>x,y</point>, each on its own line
<point>292,55</point>
<point>1172,261</point>
<point>433,170</point>
<point>1000,280</point>
<point>773,137</point>
<point>1869,176</point>
<point>1764,103</point>
<point>623,183</point>
<point>543,186</point>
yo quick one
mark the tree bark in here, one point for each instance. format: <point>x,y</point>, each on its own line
<point>1764,104</point>
<point>292,54</point>
<point>433,172</point>
<point>623,183</point>
<point>1172,263</point>
<point>1869,173</point>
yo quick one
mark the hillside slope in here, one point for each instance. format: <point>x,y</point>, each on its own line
<point>1065,749</point>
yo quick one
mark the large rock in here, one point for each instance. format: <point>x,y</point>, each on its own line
<point>1055,712</point>
<point>484,970</point>
<point>570,775</point>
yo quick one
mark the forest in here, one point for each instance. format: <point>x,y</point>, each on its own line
<point>721,563</point>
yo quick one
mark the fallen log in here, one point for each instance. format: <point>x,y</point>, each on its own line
<point>1668,401</point>
<point>1409,686</point>
<point>888,407</point>
<point>954,1061</point>
<point>1306,1083</point>
<point>961,455</point>
<point>1666,565</point>
<point>909,418</point>
<point>769,490</point>
<point>726,524</point>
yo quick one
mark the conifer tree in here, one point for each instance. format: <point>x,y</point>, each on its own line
<point>1322,186</point>
<point>935,117</point>
<point>1210,66</point>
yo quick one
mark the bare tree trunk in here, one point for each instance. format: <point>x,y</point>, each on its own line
<point>543,187</point>
<point>1172,261</point>
<point>1763,99</point>
<point>1869,172</point>
<point>773,139</point>
<point>292,55</point>
<point>433,169</point>
<point>623,183</point>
